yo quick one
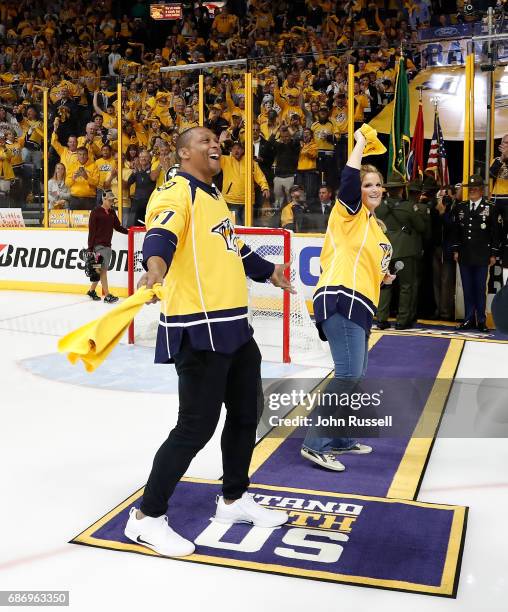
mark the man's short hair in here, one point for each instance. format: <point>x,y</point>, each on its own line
<point>81,149</point>
<point>295,188</point>
<point>327,187</point>
<point>184,138</point>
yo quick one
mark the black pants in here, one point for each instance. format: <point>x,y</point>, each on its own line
<point>444,270</point>
<point>138,211</point>
<point>474,285</point>
<point>206,380</point>
<point>326,165</point>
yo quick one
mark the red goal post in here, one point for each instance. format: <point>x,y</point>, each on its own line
<point>269,307</point>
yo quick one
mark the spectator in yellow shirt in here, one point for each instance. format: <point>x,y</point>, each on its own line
<point>290,106</point>
<point>15,144</point>
<point>33,133</point>
<point>68,154</point>
<point>82,180</point>
<point>6,171</point>
<point>232,107</point>
<point>306,174</point>
<point>271,126</point>
<point>161,166</point>
<point>308,153</point>
<point>108,117</point>
<point>91,141</point>
<point>189,120</point>
<point>384,71</point>
<point>339,113</point>
<point>106,165</point>
<point>224,24</point>
<point>374,62</point>
<point>362,69</point>
<point>361,103</point>
<point>233,181</point>
<point>324,130</point>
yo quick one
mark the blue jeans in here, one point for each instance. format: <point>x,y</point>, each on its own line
<point>349,347</point>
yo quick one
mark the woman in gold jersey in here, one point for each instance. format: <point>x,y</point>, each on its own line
<point>354,263</point>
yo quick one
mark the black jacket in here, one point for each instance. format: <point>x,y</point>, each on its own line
<point>217,126</point>
<point>286,156</point>
<point>266,156</point>
<point>318,220</point>
<point>475,234</point>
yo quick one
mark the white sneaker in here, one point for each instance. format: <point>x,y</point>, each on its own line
<point>155,533</point>
<point>357,449</point>
<point>246,510</point>
<point>326,460</point>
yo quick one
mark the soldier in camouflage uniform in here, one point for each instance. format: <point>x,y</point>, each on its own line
<point>421,195</point>
<point>405,225</point>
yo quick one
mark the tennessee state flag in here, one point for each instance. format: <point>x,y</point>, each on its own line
<point>415,157</point>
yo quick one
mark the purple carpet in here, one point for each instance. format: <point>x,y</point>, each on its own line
<point>448,331</point>
<point>374,542</point>
<point>354,537</point>
<point>407,367</point>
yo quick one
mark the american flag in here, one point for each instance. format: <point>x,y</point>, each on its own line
<point>437,162</point>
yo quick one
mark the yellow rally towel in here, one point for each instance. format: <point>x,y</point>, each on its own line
<point>93,342</point>
<point>374,146</point>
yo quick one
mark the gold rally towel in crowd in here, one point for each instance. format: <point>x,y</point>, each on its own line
<point>93,342</point>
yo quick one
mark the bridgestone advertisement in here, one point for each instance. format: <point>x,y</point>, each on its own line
<point>54,257</point>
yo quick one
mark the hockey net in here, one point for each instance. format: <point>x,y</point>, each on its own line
<point>282,325</point>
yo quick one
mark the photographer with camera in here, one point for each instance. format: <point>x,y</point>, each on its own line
<point>443,264</point>
<point>103,221</point>
<point>292,215</point>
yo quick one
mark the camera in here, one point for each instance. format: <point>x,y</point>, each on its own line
<point>93,263</point>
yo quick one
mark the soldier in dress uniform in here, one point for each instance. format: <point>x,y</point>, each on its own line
<point>404,228</point>
<point>475,246</point>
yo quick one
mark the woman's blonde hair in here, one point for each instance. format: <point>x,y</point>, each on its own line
<point>64,171</point>
<point>367,168</point>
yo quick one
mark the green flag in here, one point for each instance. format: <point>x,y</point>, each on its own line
<point>399,135</point>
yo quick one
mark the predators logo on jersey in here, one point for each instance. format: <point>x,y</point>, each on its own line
<point>387,255</point>
<point>226,229</point>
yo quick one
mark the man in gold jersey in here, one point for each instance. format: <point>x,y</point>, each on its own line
<point>191,247</point>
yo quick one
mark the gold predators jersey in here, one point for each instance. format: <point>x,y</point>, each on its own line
<point>189,225</point>
<point>354,259</point>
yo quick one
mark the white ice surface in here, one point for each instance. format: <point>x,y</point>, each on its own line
<point>70,452</point>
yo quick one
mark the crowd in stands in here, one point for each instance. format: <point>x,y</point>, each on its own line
<point>298,50</point>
